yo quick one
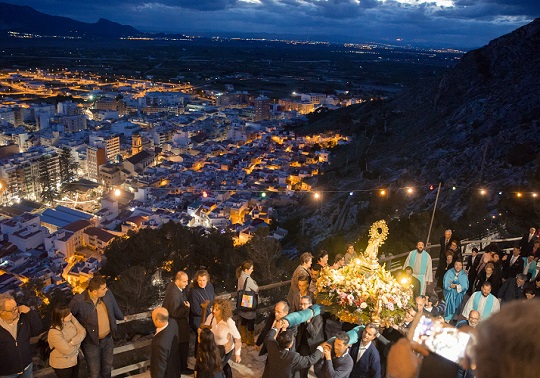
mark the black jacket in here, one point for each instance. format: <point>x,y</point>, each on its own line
<point>310,335</point>
<point>174,303</point>
<point>15,355</point>
<point>164,361</point>
<point>510,291</point>
<point>84,310</point>
<point>285,363</point>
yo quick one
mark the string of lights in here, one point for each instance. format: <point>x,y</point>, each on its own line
<point>382,190</point>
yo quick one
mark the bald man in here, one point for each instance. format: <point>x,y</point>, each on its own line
<point>178,306</point>
<point>164,359</point>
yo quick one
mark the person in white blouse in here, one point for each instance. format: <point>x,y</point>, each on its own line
<point>225,333</point>
<point>65,337</point>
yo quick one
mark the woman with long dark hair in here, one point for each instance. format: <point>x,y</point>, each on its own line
<point>208,363</point>
<point>246,282</point>
<point>65,337</point>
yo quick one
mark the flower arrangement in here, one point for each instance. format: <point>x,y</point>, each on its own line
<point>361,292</point>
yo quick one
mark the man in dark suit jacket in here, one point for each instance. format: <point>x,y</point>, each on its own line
<point>336,361</point>
<point>512,289</point>
<point>177,305</point>
<point>280,311</point>
<point>527,242</point>
<point>92,308</point>
<point>164,360</point>
<point>310,334</point>
<point>283,362</point>
<point>512,265</point>
<point>444,241</point>
<point>367,362</point>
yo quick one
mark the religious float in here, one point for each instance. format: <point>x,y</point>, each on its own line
<point>363,291</point>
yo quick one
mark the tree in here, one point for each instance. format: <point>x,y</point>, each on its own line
<point>264,251</point>
<point>31,293</point>
<point>134,290</point>
<point>67,166</point>
<point>47,179</point>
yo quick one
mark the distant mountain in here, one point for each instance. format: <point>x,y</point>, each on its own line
<point>25,19</point>
<point>476,126</point>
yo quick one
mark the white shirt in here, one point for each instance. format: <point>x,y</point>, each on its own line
<point>362,350</point>
<point>222,330</point>
<point>11,328</point>
<point>158,330</point>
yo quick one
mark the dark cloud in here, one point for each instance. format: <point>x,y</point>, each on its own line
<point>468,22</point>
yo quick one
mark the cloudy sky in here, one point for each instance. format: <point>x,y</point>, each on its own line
<point>440,23</point>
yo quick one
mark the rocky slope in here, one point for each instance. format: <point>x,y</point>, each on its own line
<point>475,127</point>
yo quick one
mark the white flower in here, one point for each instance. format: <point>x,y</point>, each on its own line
<point>363,305</point>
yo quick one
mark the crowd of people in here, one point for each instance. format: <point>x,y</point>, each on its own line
<point>295,337</point>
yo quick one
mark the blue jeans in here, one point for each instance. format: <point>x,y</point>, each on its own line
<point>27,373</point>
<point>99,358</point>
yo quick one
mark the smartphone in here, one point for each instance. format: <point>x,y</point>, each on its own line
<point>439,337</point>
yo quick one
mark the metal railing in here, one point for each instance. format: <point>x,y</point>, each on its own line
<point>393,263</point>
<point>48,371</point>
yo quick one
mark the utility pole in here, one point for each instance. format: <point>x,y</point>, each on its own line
<point>433,215</point>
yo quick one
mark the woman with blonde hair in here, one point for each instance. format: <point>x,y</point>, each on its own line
<point>65,337</point>
<point>225,332</point>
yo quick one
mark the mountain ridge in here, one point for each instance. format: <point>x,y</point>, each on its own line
<point>25,19</point>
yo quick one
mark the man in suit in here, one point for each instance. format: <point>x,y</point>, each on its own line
<point>472,259</point>
<point>336,361</point>
<point>164,359</point>
<point>527,242</point>
<point>512,265</point>
<point>445,244</point>
<point>280,311</point>
<point>97,311</point>
<point>282,362</point>
<point>366,356</point>
<point>310,334</point>
<point>177,305</point>
<point>512,289</point>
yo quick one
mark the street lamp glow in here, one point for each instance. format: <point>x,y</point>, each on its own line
<point>382,192</point>
<point>482,191</point>
<point>519,194</point>
<point>117,192</point>
<point>317,195</point>
<point>409,190</point>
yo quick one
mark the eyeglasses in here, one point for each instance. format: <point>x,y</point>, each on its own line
<point>14,310</point>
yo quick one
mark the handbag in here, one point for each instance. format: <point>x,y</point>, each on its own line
<point>247,300</point>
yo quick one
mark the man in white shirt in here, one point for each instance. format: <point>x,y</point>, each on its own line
<point>482,301</point>
<point>420,261</point>
<point>367,360</point>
